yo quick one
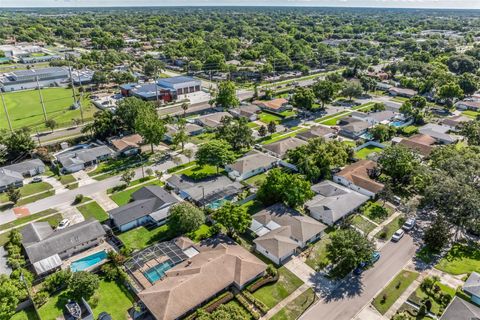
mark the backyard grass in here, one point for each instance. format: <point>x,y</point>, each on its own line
<point>201,233</point>
<point>368,210</point>
<point>280,136</point>
<point>295,308</point>
<point>253,125</point>
<point>202,138</point>
<point>253,206</point>
<point>409,130</point>
<point>266,118</point>
<point>256,180</point>
<point>140,238</point>
<point>288,113</point>
<point>394,290</point>
<point>123,197</point>
<point>387,232</point>
<point>201,172</point>
<point>364,152</point>
<point>29,189</point>
<point>460,259</point>
<point>363,224</point>
<point>93,210</point>
<point>113,298</point>
<point>437,305</point>
<point>26,314</point>
<point>273,293</point>
<point>25,110</point>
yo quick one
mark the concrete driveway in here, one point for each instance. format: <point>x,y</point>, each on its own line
<point>355,292</point>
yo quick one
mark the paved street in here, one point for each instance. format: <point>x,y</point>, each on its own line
<point>354,293</point>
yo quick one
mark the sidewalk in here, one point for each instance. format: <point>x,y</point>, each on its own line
<point>104,201</point>
<point>285,301</point>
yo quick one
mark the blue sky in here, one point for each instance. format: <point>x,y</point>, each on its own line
<point>468,4</point>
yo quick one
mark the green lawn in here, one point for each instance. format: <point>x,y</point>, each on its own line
<point>334,117</point>
<point>364,152</point>
<point>29,189</point>
<point>288,113</point>
<point>93,210</point>
<point>133,183</point>
<point>371,214</point>
<point>317,254</point>
<point>123,197</point>
<point>460,259</point>
<point>202,138</point>
<point>266,118</point>
<point>295,308</point>
<point>37,197</point>
<point>253,125</point>
<point>363,224</point>
<point>27,314</point>
<point>238,305</point>
<point>199,172</point>
<point>25,110</point>
<point>280,136</point>
<point>199,234</point>
<point>113,298</point>
<point>27,219</point>
<point>116,165</point>
<point>253,206</point>
<point>141,237</point>
<point>390,228</point>
<point>399,99</point>
<point>394,290</point>
<point>470,113</point>
<point>256,180</point>
<point>66,179</point>
<point>409,130</point>
<point>273,293</point>
<point>437,305</point>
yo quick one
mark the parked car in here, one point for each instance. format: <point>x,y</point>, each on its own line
<point>363,265</point>
<point>37,179</point>
<point>409,224</point>
<point>63,224</point>
<point>398,235</point>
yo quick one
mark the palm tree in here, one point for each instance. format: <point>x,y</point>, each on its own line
<point>185,108</point>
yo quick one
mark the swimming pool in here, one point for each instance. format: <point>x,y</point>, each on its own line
<point>156,273</point>
<point>397,124</point>
<point>89,261</point>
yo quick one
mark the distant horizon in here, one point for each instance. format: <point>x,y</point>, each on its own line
<point>233,6</point>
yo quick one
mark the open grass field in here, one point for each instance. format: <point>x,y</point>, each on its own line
<point>113,298</point>
<point>273,293</point>
<point>460,259</point>
<point>25,109</point>
<point>394,290</point>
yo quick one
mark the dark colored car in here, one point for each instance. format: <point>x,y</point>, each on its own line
<point>363,265</point>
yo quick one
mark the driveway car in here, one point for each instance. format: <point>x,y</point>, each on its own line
<point>63,224</point>
<point>37,179</point>
<point>398,235</point>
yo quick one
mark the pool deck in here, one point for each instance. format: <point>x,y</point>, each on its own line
<point>101,247</point>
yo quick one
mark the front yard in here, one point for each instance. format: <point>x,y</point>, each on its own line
<point>372,211</point>
<point>460,259</point>
<point>317,253</point>
<point>394,290</point>
<point>93,210</point>
<point>295,308</point>
<point>273,293</point>
<point>387,232</point>
<point>266,118</point>
<point>28,190</point>
<point>123,197</point>
<point>363,224</point>
<point>112,297</point>
<point>436,295</point>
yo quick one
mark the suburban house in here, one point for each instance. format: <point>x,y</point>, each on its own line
<point>148,206</point>
<point>454,123</point>
<point>191,129</point>
<point>333,202</point>
<point>250,112</point>
<point>282,231</point>
<point>356,176</point>
<point>317,132</point>
<point>280,148</point>
<point>211,192</point>
<point>402,92</point>
<point>472,287</point>
<point>373,118</point>
<point>127,145</point>
<point>422,144</point>
<point>439,133</point>
<point>78,159</point>
<point>459,309</point>
<point>468,105</point>
<point>178,276</point>
<point>46,248</point>
<point>212,120</point>
<point>353,128</point>
<point>33,78</point>
<point>10,179</point>
<point>27,168</point>
<point>276,105</point>
<point>250,165</point>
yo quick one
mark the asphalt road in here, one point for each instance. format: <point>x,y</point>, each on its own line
<point>355,292</point>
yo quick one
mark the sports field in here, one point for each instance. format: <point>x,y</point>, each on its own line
<point>25,109</point>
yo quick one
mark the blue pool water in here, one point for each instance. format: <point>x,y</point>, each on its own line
<point>219,203</point>
<point>156,273</point>
<point>397,124</point>
<point>89,261</point>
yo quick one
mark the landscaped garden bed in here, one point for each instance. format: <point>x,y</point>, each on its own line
<point>435,295</point>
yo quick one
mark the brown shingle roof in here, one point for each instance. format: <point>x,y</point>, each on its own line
<point>274,104</point>
<point>421,143</point>
<point>220,263</point>
<point>281,147</point>
<point>131,141</point>
<point>357,173</point>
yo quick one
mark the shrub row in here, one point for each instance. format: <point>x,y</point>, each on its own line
<point>218,301</point>
<point>259,304</point>
<point>243,301</point>
<point>261,282</point>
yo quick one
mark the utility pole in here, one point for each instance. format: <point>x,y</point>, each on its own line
<point>75,100</point>
<point>6,111</point>
<point>41,100</point>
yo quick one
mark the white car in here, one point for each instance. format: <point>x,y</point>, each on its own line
<point>398,235</point>
<point>409,224</point>
<point>63,224</point>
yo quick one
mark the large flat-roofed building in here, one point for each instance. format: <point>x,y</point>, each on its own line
<point>181,84</point>
<point>27,79</point>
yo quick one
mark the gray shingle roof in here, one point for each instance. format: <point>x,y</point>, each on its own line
<point>59,241</point>
<point>84,155</point>
<point>253,161</point>
<point>8,177</point>
<point>472,285</point>
<point>460,309</point>
<point>281,147</point>
<point>25,166</point>
<point>147,200</point>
